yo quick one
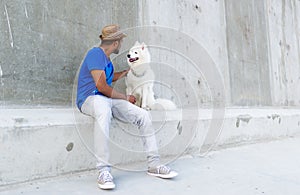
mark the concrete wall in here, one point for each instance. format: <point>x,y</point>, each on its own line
<point>204,21</point>
<point>43,43</point>
<point>255,44</point>
<point>247,45</point>
<point>284,51</point>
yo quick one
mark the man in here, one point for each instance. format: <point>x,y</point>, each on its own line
<point>97,98</point>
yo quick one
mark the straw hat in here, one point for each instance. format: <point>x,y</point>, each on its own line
<point>111,33</point>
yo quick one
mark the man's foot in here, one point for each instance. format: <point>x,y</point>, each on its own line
<point>105,180</point>
<point>162,171</point>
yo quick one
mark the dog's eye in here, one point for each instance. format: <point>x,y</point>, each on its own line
<point>135,52</point>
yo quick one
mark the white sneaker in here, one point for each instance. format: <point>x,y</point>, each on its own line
<point>105,181</point>
<point>162,171</point>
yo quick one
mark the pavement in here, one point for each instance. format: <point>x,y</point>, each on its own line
<point>271,168</point>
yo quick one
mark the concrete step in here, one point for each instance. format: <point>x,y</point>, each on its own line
<point>263,168</point>
<point>47,142</point>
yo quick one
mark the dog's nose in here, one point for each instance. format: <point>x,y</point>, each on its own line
<point>128,56</point>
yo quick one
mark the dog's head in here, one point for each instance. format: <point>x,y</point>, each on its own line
<point>138,54</point>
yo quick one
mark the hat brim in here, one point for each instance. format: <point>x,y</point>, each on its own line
<point>113,37</point>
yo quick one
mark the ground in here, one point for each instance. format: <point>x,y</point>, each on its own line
<point>262,168</point>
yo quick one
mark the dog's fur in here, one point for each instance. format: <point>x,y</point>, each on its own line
<point>140,80</point>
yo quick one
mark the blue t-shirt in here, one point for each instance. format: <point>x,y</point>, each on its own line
<point>95,59</point>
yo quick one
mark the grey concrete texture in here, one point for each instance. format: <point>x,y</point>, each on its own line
<point>45,143</point>
<point>263,168</point>
<point>42,46</point>
<point>255,44</point>
<point>247,45</point>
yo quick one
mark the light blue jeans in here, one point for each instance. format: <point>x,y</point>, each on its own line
<point>102,109</point>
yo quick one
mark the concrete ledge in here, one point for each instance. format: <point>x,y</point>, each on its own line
<point>41,143</point>
<point>249,125</point>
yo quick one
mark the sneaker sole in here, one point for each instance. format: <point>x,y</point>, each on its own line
<point>106,186</point>
<point>171,175</point>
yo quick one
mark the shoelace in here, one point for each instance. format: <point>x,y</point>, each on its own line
<point>163,169</point>
<point>105,176</point>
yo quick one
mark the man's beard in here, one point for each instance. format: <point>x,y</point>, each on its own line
<point>116,51</point>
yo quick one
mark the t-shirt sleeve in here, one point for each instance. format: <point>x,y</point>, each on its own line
<point>96,61</point>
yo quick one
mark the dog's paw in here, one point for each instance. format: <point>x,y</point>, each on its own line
<point>146,108</point>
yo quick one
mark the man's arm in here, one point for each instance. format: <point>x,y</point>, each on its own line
<point>119,75</point>
<point>100,80</point>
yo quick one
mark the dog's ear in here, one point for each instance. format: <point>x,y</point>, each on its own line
<point>143,46</point>
<point>137,43</point>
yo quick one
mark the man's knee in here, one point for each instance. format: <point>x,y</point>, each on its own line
<point>103,113</point>
<point>145,116</point>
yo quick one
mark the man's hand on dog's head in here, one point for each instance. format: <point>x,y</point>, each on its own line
<point>131,99</point>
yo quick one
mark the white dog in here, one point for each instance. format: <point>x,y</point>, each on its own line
<point>140,80</point>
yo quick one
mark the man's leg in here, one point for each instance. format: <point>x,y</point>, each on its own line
<point>127,112</point>
<point>99,107</point>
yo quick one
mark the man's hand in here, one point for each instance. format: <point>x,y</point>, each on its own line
<point>131,99</point>
<point>119,75</point>
<point>125,72</point>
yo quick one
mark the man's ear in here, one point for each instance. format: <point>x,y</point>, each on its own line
<point>117,42</point>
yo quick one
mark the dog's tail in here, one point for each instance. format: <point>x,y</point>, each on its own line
<point>163,104</point>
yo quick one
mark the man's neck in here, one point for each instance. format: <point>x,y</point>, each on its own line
<point>106,51</point>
